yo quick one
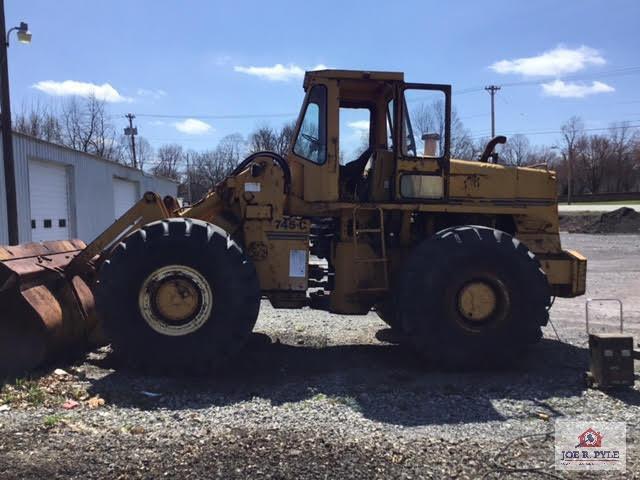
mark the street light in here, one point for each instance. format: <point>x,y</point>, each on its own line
<point>22,32</point>
<point>24,36</point>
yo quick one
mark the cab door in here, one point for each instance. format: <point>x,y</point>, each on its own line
<point>313,156</point>
<point>423,142</point>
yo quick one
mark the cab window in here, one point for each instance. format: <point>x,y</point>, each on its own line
<point>311,141</point>
<point>355,133</point>
<point>423,128</point>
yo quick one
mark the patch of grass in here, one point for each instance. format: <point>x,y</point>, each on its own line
<point>51,421</point>
<point>347,401</point>
<point>35,395</point>
<point>7,397</point>
<point>23,390</point>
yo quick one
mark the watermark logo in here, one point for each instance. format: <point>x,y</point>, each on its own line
<point>590,445</point>
<point>590,439</point>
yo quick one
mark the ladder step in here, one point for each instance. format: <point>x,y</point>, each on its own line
<point>382,260</point>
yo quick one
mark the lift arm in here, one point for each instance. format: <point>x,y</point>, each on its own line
<point>148,209</point>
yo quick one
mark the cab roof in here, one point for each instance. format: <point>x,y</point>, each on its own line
<point>353,75</point>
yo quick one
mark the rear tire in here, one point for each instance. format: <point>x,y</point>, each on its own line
<point>473,297</point>
<point>178,295</point>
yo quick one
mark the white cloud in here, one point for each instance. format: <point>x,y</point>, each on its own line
<point>193,126</point>
<point>360,125</point>
<point>278,72</point>
<point>558,88</point>
<point>559,61</point>
<point>103,92</point>
<point>155,94</point>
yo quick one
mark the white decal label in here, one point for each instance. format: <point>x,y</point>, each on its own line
<point>252,187</point>
<point>298,263</point>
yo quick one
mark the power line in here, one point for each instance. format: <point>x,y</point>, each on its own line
<point>632,70</point>
<point>478,115</point>
<point>548,132</point>
<point>218,117</point>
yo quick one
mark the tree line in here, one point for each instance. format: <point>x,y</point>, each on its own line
<point>84,124</point>
<point>606,161</point>
<point>603,162</point>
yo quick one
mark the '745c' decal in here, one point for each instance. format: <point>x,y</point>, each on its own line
<point>292,223</point>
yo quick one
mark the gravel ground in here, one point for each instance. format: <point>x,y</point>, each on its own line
<point>317,396</point>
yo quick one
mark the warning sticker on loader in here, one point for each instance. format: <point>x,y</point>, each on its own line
<point>252,187</point>
<point>298,263</point>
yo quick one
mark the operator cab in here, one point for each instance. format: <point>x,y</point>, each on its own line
<point>346,147</point>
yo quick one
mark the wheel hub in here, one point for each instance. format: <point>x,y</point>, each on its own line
<point>175,300</point>
<point>476,301</point>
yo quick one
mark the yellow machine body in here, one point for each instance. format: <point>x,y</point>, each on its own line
<point>361,219</point>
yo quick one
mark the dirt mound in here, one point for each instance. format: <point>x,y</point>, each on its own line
<point>622,220</point>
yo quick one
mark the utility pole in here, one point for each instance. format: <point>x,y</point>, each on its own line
<point>132,132</point>
<point>569,175</point>
<point>492,89</point>
<point>7,142</point>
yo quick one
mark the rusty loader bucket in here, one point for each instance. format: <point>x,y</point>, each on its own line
<point>44,314</point>
<point>47,309</point>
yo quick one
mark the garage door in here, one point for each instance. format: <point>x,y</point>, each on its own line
<point>49,197</point>
<point>125,194</point>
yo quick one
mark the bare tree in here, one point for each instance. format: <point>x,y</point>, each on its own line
<point>517,150</point>
<point>572,132</point>
<point>268,138</point>
<point>284,138</point>
<point>623,140</point>
<point>206,169</point>
<point>85,127</point>
<point>543,154</point>
<point>144,151</point>
<point>168,161</point>
<point>593,156</point>
<point>38,121</point>
<point>430,118</point>
<point>264,138</point>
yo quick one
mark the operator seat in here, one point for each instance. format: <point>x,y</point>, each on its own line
<point>351,173</point>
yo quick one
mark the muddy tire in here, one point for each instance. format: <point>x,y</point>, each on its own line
<point>473,297</point>
<point>178,295</point>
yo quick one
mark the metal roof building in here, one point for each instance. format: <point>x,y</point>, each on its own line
<point>63,193</point>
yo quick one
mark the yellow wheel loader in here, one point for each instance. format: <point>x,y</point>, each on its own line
<point>461,258</point>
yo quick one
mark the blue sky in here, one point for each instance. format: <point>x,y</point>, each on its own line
<point>217,58</point>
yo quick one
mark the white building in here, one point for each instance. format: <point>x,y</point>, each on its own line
<point>63,193</point>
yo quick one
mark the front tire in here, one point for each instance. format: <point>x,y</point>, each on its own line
<point>178,295</point>
<point>473,297</point>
